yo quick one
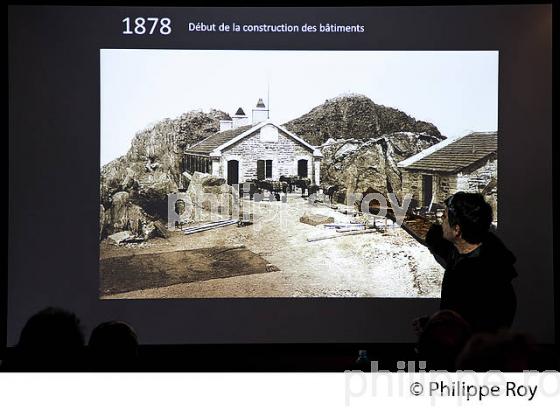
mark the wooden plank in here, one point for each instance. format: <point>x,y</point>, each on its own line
<point>320,238</point>
<point>205,228</point>
<point>359,228</point>
<point>207,224</point>
<point>344,225</point>
<point>208,227</point>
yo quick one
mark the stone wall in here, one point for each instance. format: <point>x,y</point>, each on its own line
<point>476,179</point>
<point>284,153</point>
<point>482,178</point>
<point>412,186</point>
<point>442,186</point>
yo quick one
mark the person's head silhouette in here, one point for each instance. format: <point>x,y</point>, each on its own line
<point>52,339</point>
<point>442,339</point>
<point>113,345</point>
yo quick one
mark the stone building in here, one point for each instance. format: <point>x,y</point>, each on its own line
<point>261,150</point>
<point>468,163</point>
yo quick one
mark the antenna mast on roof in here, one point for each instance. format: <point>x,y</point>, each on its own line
<point>268,99</point>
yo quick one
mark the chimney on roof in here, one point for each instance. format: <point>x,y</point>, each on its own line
<point>226,125</point>
<point>240,118</point>
<point>260,112</point>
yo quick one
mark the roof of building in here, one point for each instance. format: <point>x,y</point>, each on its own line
<point>260,103</point>
<point>240,111</point>
<point>206,146</point>
<point>222,140</point>
<point>451,156</point>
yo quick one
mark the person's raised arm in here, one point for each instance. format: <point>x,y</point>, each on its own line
<point>438,245</point>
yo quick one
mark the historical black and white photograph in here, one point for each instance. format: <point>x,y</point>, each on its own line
<point>229,173</point>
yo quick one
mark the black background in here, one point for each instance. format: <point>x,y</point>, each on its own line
<point>54,166</point>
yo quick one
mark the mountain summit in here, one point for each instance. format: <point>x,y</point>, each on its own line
<point>358,117</point>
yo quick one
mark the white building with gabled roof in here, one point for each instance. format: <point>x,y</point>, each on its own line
<point>263,150</point>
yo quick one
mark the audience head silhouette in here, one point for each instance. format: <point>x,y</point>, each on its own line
<point>442,339</point>
<point>504,351</point>
<point>52,339</point>
<point>113,345</point>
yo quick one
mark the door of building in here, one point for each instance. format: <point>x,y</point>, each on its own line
<point>302,168</point>
<point>427,191</point>
<point>233,172</point>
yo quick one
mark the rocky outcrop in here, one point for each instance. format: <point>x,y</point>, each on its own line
<point>208,198</point>
<point>123,215</point>
<point>362,142</point>
<point>356,117</point>
<point>134,187</point>
<point>356,166</point>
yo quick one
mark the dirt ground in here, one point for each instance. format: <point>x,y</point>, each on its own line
<point>153,270</point>
<point>385,263</point>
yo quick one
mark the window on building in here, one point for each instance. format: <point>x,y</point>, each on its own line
<point>260,170</point>
<point>264,169</point>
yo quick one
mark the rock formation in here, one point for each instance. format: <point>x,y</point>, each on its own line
<point>357,117</point>
<point>208,198</point>
<point>356,166</point>
<point>362,142</point>
<point>134,187</point>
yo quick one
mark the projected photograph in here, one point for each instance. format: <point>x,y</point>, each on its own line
<point>227,173</point>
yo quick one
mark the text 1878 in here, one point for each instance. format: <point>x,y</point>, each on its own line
<point>148,25</point>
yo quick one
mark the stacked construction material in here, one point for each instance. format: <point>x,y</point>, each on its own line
<point>208,226</point>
